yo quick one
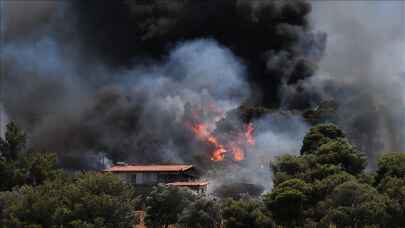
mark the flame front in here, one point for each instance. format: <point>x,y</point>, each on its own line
<point>201,131</point>
<point>234,146</point>
<point>238,154</point>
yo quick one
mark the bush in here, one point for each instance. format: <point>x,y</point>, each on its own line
<point>164,205</point>
<point>89,200</point>
<point>245,212</point>
<point>202,213</point>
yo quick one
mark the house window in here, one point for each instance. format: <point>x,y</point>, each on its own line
<point>139,178</point>
<point>150,178</point>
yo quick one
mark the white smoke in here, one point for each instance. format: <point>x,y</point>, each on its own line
<point>279,135</point>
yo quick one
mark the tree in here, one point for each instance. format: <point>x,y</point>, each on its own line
<point>288,201</point>
<point>202,213</point>
<point>10,176</point>
<point>238,190</point>
<point>289,167</point>
<point>326,186</point>
<point>30,168</point>
<point>319,135</point>
<point>341,153</point>
<point>245,212</point>
<point>392,165</point>
<point>19,166</point>
<point>329,145</point>
<point>14,142</point>
<point>394,188</point>
<point>390,180</point>
<point>88,200</point>
<point>38,167</point>
<point>164,205</point>
<point>303,184</point>
<point>356,205</point>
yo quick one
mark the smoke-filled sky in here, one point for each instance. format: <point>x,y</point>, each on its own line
<point>119,77</point>
<point>364,64</point>
<point>84,77</point>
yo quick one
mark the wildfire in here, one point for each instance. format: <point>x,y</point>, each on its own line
<point>201,131</point>
<point>232,146</point>
<point>238,153</point>
<point>249,134</point>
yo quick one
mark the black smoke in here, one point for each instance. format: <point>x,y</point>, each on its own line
<point>89,79</point>
<point>272,37</point>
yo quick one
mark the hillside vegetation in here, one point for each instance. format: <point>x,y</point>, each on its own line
<point>326,184</point>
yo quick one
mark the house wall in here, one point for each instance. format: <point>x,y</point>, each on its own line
<point>146,178</point>
<point>151,178</point>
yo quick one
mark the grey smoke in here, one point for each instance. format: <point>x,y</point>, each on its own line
<point>363,70</point>
<point>136,113</point>
<point>26,18</point>
<point>279,134</point>
<point>73,104</point>
<point>276,134</point>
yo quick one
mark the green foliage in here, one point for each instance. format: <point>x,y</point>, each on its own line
<point>391,164</point>
<point>202,213</point>
<point>38,167</point>
<point>89,200</point>
<point>355,204</point>
<point>341,153</point>
<point>288,201</point>
<point>31,168</point>
<point>328,145</point>
<point>325,185</point>
<point>325,152</point>
<point>319,135</point>
<point>288,167</point>
<point>245,212</point>
<point>164,205</point>
<point>238,190</point>
<point>14,142</point>
<point>289,164</point>
<point>394,188</point>
<point>304,184</point>
<point>390,180</point>
<point>18,166</point>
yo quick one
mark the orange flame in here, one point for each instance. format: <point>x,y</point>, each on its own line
<point>201,131</point>
<point>234,146</point>
<point>238,153</point>
<point>218,154</point>
<point>249,134</point>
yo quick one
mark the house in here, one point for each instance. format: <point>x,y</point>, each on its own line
<point>198,186</point>
<point>150,175</point>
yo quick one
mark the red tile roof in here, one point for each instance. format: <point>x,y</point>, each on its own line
<point>148,168</point>
<point>189,184</point>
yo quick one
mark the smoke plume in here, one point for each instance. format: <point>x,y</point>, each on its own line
<point>363,70</point>
<point>271,37</point>
<point>135,116</point>
<point>118,80</point>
